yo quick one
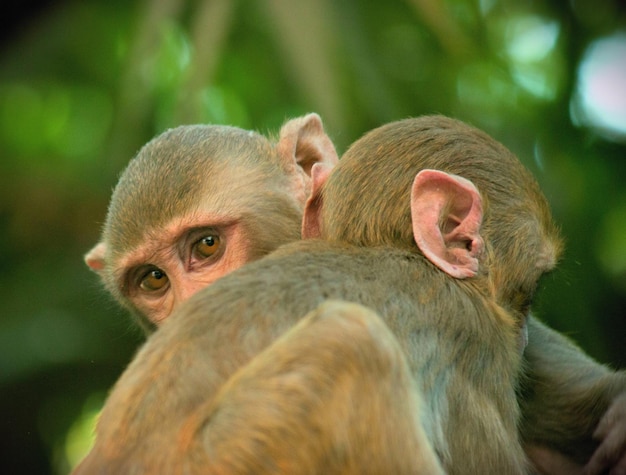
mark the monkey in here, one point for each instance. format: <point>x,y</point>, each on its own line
<point>573,356</point>
<point>173,227</point>
<point>437,258</point>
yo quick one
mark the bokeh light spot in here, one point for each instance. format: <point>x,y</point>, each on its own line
<point>600,99</point>
<point>530,43</point>
<point>81,435</point>
<point>531,38</point>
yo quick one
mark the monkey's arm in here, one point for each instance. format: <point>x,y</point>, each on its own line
<point>567,397</point>
<point>332,395</point>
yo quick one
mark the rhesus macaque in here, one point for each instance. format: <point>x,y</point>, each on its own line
<point>200,201</point>
<point>212,390</point>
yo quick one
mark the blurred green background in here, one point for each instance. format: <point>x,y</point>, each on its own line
<point>83,84</point>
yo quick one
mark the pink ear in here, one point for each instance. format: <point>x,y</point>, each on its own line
<point>446,211</point>
<point>311,219</point>
<point>302,144</point>
<point>95,258</point>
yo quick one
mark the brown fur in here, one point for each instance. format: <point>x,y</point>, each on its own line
<point>466,399</point>
<point>460,341</point>
<point>517,219</point>
<point>240,426</point>
<point>566,394</point>
<point>213,391</point>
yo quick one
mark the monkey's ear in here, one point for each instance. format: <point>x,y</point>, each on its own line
<point>95,258</point>
<point>446,211</point>
<point>311,218</point>
<point>303,143</point>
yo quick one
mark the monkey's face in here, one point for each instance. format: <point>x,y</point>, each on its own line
<point>199,201</point>
<point>172,263</point>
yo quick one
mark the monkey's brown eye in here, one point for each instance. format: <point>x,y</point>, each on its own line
<point>206,247</point>
<point>153,281</point>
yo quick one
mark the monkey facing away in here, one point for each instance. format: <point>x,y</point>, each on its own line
<point>199,201</point>
<point>450,282</point>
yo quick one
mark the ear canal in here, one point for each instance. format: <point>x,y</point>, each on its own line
<point>95,258</point>
<point>311,218</point>
<point>446,213</point>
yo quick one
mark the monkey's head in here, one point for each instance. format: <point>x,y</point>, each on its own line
<point>199,201</point>
<point>449,189</point>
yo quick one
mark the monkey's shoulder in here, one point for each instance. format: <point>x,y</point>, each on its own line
<point>313,246</point>
<point>297,278</point>
<point>317,251</point>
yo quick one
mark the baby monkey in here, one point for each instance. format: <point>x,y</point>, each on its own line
<point>560,405</point>
<point>200,201</point>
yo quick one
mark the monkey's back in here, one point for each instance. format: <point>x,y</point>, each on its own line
<point>462,356</point>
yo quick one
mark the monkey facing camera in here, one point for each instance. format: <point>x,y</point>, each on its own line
<point>390,340</point>
<point>199,201</point>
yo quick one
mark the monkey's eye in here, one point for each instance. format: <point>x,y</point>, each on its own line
<point>154,280</point>
<point>206,247</point>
